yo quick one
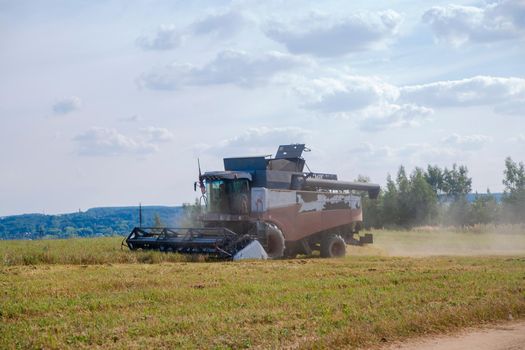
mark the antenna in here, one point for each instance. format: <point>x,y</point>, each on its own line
<point>140,214</point>
<point>201,183</point>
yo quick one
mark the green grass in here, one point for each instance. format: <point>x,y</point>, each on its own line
<point>301,303</point>
<point>87,293</point>
<point>485,240</point>
<point>428,241</point>
<point>77,251</point>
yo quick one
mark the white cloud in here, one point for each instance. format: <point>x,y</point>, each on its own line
<point>476,91</point>
<point>518,139</point>
<point>368,99</point>
<point>495,21</point>
<point>453,148</point>
<point>167,37</point>
<point>67,105</point>
<point>99,141</point>
<point>262,136</point>
<point>512,107</point>
<point>409,154</point>
<point>322,35</point>
<point>346,93</point>
<point>220,24</point>
<point>228,67</point>
<point>466,142</point>
<point>157,135</point>
<point>261,140</point>
<point>366,150</point>
<point>394,116</point>
<point>132,119</point>
<point>378,105</point>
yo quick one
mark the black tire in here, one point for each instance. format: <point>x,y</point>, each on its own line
<point>333,246</point>
<point>290,254</point>
<point>274,242</point>
<point>292,250</point>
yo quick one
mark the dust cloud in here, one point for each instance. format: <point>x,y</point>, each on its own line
<point>504,240</point>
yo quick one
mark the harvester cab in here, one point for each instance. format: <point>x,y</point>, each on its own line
<point>227,192</point>
<point>260,207</point>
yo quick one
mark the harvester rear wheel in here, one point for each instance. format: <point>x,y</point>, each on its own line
<point>274,242</point>
<point>333,246</point>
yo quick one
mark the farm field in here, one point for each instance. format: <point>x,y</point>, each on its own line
<point>426,241</point>
<point>87,293</point>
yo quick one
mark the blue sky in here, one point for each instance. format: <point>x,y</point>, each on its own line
<point>110,102</point>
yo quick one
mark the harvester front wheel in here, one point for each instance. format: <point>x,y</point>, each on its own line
<point>274,242</point>
<point>333,246</point>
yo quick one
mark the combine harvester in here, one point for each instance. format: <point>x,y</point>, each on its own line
<point>261,207</point>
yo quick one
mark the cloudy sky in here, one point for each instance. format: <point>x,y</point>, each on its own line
<point>108,103</point>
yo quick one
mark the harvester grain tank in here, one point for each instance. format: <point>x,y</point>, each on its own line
<point>260,207</point>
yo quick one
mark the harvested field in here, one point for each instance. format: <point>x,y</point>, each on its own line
<point>427,241</point>
<point>484,240</point>
<point>70,301</point>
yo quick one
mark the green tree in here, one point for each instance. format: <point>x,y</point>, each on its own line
<point>191,214</point>
<point>434,177</point>
<point>70,232</point>
<point>514,180</point>
<point>409,201</point>
<point>456,182</point>
<point>484,209</point>
<point>389,201</point>
<point>457,212</point>
<point>456,185</point>
<point>85,232</point>
<point>514,193</point>
<point>422,199</point>
<point>157,222</point>
<point>404,205</point>
<point>372,211</point>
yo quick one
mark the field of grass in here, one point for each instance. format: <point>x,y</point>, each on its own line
<point>89,294</point>
<point>428,241</point>
<point>485,240</point>
<point>77,251</point>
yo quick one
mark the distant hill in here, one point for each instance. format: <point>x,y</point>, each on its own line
<point>106,221</point>
<point>471,197</point>
<point>93,222</point>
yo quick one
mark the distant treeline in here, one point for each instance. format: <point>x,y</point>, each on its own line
<point>435,196</point>
<point>93,222</point>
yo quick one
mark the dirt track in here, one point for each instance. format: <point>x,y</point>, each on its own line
<point>506,336</point>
